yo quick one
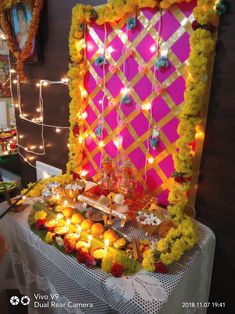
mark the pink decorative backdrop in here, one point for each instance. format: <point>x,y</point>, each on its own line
<point>174,36</point>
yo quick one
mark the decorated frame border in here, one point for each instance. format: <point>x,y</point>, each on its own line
<point>202,43</point>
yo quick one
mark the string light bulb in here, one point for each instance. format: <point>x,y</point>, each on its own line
<point>58,130</point>
<point>150,160</point>
<point>147,106</point>
<point>83,173</point>
<point>101,144</point>
<point>152,48</point>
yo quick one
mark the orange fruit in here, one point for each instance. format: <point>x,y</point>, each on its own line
<point>110,235</point>
<point>86,224</point>
<point>68,212</point>
<point>77,218</point>
<point>97,229</point>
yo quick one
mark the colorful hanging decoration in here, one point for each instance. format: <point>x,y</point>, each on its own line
<point>125,99</point>
<point>100,61</point>
<point>155,138</point>
<point>221,8</point>
<point>98,130</point>
<point>131,23</point>
<point>162,62</point>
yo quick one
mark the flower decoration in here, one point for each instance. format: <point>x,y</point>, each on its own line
<point>143,69</point>
<point>98,131</point>
<point>162,62</point>
<point>159,89</point>
<point>20,56</point>
<point>161,268</point>
<point>76,130</point>
<point>155,138</point>
<point>99,81</point>
<point>129,51</point>
<point>49,237</point>
<point>41,214</point>
<point>40,224</point>
<point>221,8</point>
<point>84,258</point>
<point>100,61</point>
<point>125,99</point>
<point>148,262</point>
<point>117,270</point>
<point>131,23</point>
<point>113,69</point>
<point>59,241</point>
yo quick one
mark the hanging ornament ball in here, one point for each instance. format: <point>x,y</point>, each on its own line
<point>76,130</point>
<point>195,25</point>
<point>221,8</point>
<point>131,23</point>
<point>162,62</point>
<point>94,14</point>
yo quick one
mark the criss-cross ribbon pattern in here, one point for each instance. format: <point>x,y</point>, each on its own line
<point>140,50</point>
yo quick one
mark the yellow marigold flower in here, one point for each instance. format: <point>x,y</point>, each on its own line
<point>41,214</point>
<point>49,237</point>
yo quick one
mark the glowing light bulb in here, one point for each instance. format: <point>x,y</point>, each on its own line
<point>101,144</point>
<point>124,38</point>
<point>83,173</point>
<point>65,80</point>
<point>58,130</point>
<point>3,37</point>
<point>83,92</point>
<point>12,71</point>
<point>152,48</point>
<point>150,160</point>
<point>68,145</point>
<point>89,46</point>
<point>147,106</point>
<point>118,142</point>
<point>21,136</point>
<point>110,49</point>
<point>44,83</point>
<point>25,159</point>
<point>84,115</point>
<point>40,147</point>
<point>38,109</point>
<point>106,243</point>
<point>80,140</point>
<point>31,157</point>
<point>125,91</point>
<point>16,106</point>
<point>38,84</point>
<point>59,216</point>
<point>14,81</point>
<point>32,147</point>
<point>100,101</point>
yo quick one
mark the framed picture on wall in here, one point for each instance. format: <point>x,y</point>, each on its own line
<point>20,16</point>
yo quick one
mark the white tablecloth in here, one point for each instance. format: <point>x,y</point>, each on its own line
<point>38,269</point>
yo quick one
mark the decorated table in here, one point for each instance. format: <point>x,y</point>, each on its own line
<point>38,269</point>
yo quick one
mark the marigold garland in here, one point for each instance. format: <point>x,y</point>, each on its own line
<point>183,235</point>
<point>20,56</point>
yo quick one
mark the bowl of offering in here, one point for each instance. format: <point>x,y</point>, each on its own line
<point>73,189</point>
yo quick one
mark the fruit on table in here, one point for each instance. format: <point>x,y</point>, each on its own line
<point>77,218</point>
<point>97,229</point>
<point>110,235</point>
<point>120,243</point>
<point>68,212</point>
<point>86,224</point>
<point>99,253</point>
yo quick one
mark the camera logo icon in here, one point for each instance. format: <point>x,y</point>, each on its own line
<point>14,300</point>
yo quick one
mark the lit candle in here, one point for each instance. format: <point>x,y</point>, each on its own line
<point>79,228</point>
<point>106,244</point>
<point>89,240</point>
<point>67,224</point>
